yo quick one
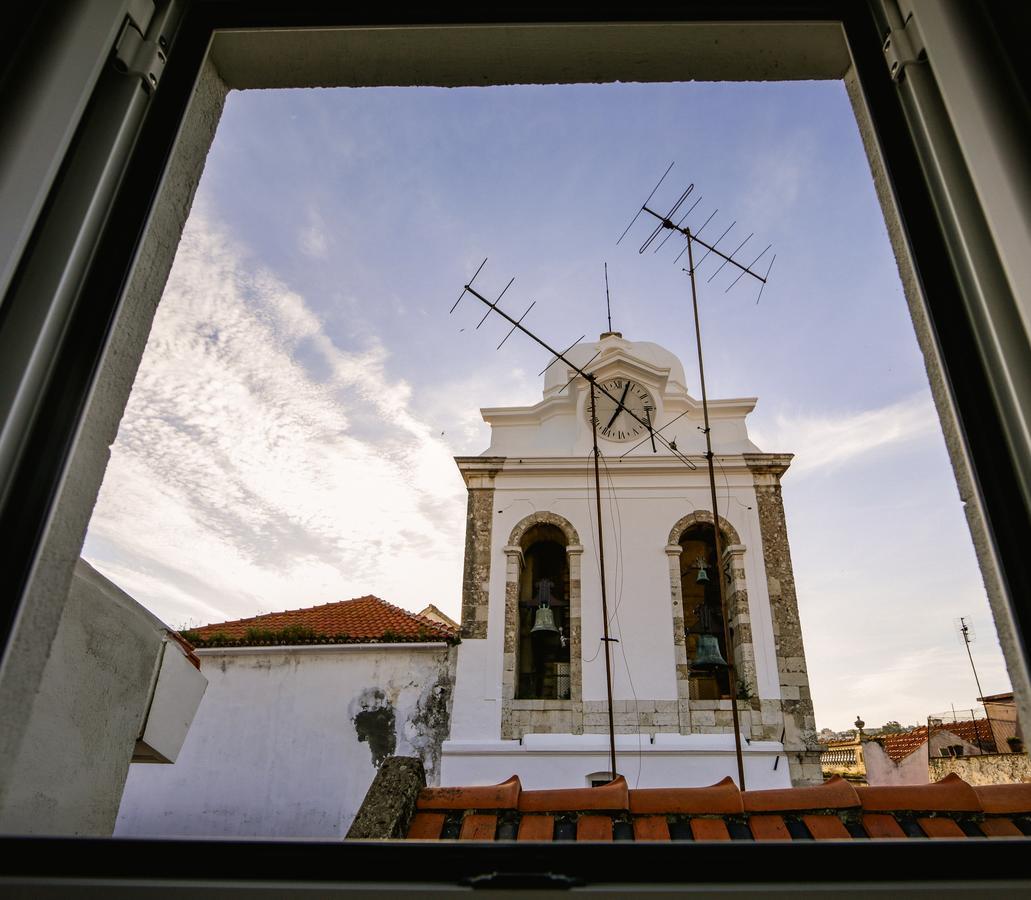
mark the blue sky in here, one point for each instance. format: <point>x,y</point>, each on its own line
<point>291,428</point>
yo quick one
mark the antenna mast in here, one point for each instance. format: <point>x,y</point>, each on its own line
<point>666,223</point>
<point>964,630</point>
<point>608,304</point>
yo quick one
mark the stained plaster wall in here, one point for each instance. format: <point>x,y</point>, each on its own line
<point>287,740</point>
<point>911,769</point>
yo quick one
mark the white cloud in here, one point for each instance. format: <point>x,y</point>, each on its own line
<point>829,441</point>
<point>241,480</point>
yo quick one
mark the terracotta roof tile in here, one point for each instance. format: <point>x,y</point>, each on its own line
<point>951,794</point>
<point>491,796</point>
<point>717,799</point>
<point>1004,798</point>
<point>835,793</point>
<point>611,796</point>
<point>948,808</point>
<point>362,620</point>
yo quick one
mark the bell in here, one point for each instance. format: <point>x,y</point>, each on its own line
<point>703,576</point>
<point>708,655</point>
<point>544,623</point>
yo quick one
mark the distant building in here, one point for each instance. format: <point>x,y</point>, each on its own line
<point>922,755</point>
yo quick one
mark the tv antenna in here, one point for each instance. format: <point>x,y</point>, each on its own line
<point>969,636</point>
<point>596,388</point>
<point>608,303</point>
<point>673,222</point>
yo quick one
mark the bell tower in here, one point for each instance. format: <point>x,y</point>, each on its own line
<point>530,695</point>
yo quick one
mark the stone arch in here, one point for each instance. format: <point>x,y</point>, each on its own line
<point>737,611</point>
<point>515,539</point>
<point>700,516</point>
<point>519,717</point>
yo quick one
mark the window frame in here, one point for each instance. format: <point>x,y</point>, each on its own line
<point>26,506</point>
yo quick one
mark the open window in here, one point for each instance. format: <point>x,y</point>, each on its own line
<point>544,616</point>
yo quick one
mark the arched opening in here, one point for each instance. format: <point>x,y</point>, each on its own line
<point>542,663</point>
<point>703,612</point>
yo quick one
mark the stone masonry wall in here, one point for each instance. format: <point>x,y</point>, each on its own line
<point>798,722</point>
<point>479,472</point>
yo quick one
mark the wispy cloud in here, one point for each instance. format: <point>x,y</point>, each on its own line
<point>260,466</point>
<point>833,440</point>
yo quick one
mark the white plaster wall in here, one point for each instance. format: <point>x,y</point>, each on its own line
<point>274,752</point>
<point>91,706</point>
<point>544,761</point>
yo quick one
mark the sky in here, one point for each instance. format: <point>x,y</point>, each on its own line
<point>290,434</point>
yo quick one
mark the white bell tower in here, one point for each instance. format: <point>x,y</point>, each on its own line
<point>530,693</point>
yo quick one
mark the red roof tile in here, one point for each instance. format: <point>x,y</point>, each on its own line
<point>973,731</point>
<point>951,794</point>
<point>722,797</point>
<point>948,808</point>
<point>835,793</point>
<point>362,620</point>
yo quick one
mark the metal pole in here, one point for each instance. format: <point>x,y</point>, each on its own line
<point>732,671</point>
<point>604,596</point>
<point>963,627</point>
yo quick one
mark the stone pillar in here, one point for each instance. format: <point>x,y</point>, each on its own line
<point>799,726</point>
<point>479,473</point>
<point>673,552</point>
<point>576,655</point>
<point>389,805</point>
<point>739,618</point>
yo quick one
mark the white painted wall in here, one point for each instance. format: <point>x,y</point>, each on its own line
<point>95,699</point>
<point>274,750</point>
<point>544,761</point>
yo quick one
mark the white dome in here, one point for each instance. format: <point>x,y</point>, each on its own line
<point>651,354</point>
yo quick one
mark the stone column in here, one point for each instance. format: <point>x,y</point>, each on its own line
<point>576,656</point>
<point>479,473</point>
<point>799,722</point>
<point>740,618</point>
<point>673,552</point>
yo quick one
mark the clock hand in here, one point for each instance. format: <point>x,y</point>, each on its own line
<point>619,407</point>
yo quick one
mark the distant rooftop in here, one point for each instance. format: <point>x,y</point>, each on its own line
<point>900,744</point>
<point>364,620</point>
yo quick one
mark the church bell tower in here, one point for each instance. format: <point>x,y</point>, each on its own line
<point>530,694</point>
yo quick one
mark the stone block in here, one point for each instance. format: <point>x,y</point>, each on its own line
<point>702,717</point>
<point>789,692</point>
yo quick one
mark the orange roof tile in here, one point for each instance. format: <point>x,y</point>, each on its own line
<point>949,808</point>
<point>362,620</point>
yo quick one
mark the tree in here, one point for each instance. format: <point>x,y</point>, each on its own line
<point>891,726</point>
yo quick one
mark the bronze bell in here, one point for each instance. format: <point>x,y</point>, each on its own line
<point>544,621</point>
<point>708,656</point>
<point>703,571</point>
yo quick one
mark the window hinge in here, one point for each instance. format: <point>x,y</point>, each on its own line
<point>903,47</point>
<point>141,47</point>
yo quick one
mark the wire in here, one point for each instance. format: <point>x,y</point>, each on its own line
<point>616,515</point>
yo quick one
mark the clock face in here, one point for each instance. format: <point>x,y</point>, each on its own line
<point>613,421</point>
